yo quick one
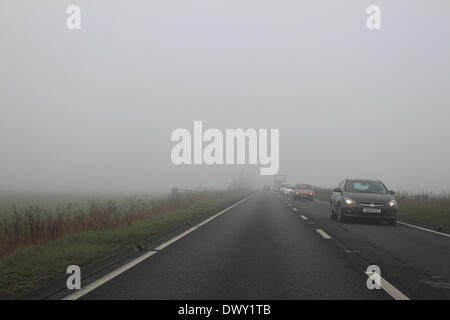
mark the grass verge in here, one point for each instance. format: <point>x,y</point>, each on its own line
<point>31,267</point>
<point>428,216</point>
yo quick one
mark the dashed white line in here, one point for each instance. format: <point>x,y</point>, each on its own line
<point>304,217</point>
<point>323,234</point>
<point>424,229</point>
<point>295,209</point>
<point>390,289</point>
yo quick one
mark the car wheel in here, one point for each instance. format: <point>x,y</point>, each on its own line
<point>332,214</point>
<point>392,222</point>
<point>340,218</point>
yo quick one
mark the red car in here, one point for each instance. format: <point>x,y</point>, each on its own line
<point>303,191</point>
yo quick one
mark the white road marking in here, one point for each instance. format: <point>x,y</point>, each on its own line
<point>303,217</point>
<point>390,289</point>
<point>178,237</point>
<point>323,234</point>
<point>97,283</point>
<point>295,209</point>
<point>167,243</point>
<point>289,204</point>
<point>424,229</point>
<point>223,211</point>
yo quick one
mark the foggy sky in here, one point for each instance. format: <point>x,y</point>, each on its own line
<point>93,110</point>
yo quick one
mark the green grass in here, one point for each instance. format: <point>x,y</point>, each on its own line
<point>430,216</point>
<point>33,266</point>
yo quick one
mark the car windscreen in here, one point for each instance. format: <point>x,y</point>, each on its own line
<point>362,186</point>
<point>303,186</point>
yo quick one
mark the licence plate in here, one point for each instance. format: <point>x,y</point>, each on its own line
<point>371,210</point>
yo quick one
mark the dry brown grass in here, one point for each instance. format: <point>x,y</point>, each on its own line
<point>37,225</point>
<point>424,200</point>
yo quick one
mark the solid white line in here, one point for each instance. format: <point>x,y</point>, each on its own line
<point>223,211</point>
<point>323,234</point>
<point>424,229</point>
<point>303,217</point>
<point>390,289</point>
<point>295,209</point>
<point>169,242</point>
<point>97,283</point>
<point>178,237</point>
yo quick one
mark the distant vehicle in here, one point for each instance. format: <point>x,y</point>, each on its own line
<point>287,190</point>
<point>363,199</point>
<point>282,187</point>
<point>303,191</point>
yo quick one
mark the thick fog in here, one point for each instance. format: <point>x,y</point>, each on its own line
<point>93,109</point>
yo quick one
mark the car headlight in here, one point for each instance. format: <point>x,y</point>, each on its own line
<point>392,204</point>
<point>349,201</point>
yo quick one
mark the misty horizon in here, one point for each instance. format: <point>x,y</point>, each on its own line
<point>92,110</point>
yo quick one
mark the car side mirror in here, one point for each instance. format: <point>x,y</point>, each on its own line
<point>337,190</point>
<point>391,192</point>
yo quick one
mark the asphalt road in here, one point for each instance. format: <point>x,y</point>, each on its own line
<point>265,249</point>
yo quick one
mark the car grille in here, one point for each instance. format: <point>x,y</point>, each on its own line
<point>372,204</point>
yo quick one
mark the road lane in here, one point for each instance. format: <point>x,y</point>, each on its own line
<point>415,261</point>
<point>260,249</point>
